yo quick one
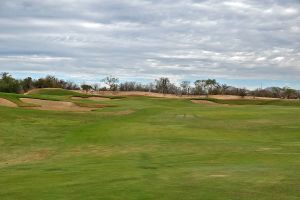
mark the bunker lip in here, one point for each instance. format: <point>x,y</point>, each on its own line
<point>7,103</point>
<point>170,96</point>
<point>55,105</point>
<point>91,98</point>
<point>204,102</point>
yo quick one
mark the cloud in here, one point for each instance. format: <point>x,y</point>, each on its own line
<point>149,38</point>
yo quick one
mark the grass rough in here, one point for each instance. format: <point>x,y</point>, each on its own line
<point>147,148</point>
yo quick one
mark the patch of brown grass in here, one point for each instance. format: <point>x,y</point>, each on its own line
<point>26,157</point>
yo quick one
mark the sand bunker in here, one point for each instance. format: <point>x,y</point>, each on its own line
<point>7,103</point>
<point>55,105</point>
<point>172,96</point>
<point>98,98</point>
<point>92,98</point>
<point>204,102</point>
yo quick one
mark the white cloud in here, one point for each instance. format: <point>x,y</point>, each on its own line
<point>149,38</point>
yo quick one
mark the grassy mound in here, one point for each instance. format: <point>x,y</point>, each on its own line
<point>15,98</point>
<point>279,102</point>
<point>55,91</point>
<point>54,95</point>
<point>61,94</point>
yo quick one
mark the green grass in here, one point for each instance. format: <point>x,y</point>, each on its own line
<point>162,149</point>
<point>277,102</point>
<point>62,94</point>
<point>56,92</point>
<point>58,95</point>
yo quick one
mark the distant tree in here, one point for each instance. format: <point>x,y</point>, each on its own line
<point>103,89</point>
<point>162,85</point>
<point>242,92</point>
<point>224,88</point>
<point>210,85</point>
<point>185,86</point>
<point>49,82</point>
<point>112,82</point>
<point>27,84</point>
<point>95,86</point>
<point>276,92</point>
<point>150,87</point>
<point>173,89</point>
<point>199,86</point>
<point>128,86</point>
<point>86,87</point>
<point>9,84</point>
<point>289,93</point>
<point>71,86</point>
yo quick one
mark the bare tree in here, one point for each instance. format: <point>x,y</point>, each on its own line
<point>112,82</point>
<point>96,86</point>
<point>224,88</point>
<point>199,86</point>
<point>242,92</point>
<point>210,85</point>
<point>162,85</point>
<point>185,86</point>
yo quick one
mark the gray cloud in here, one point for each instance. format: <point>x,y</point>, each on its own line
<point>146,39</point>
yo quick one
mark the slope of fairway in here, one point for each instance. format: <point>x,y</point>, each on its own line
<point>54,91</point>
<point>145,148</point>
<point>277,102</point>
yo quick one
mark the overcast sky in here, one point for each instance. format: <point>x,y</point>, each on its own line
<point>244,43</point>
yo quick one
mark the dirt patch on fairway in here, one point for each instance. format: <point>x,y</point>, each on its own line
<point>27,158</point>
<point>204,102</point>
<point>7,103</point>
<point>55,105</point>
<point>268,148</point>
<point>107,151</point>
<point>219,175</point>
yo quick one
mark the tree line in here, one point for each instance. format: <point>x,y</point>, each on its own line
<point>161,85</point>
<point>11,85</point>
